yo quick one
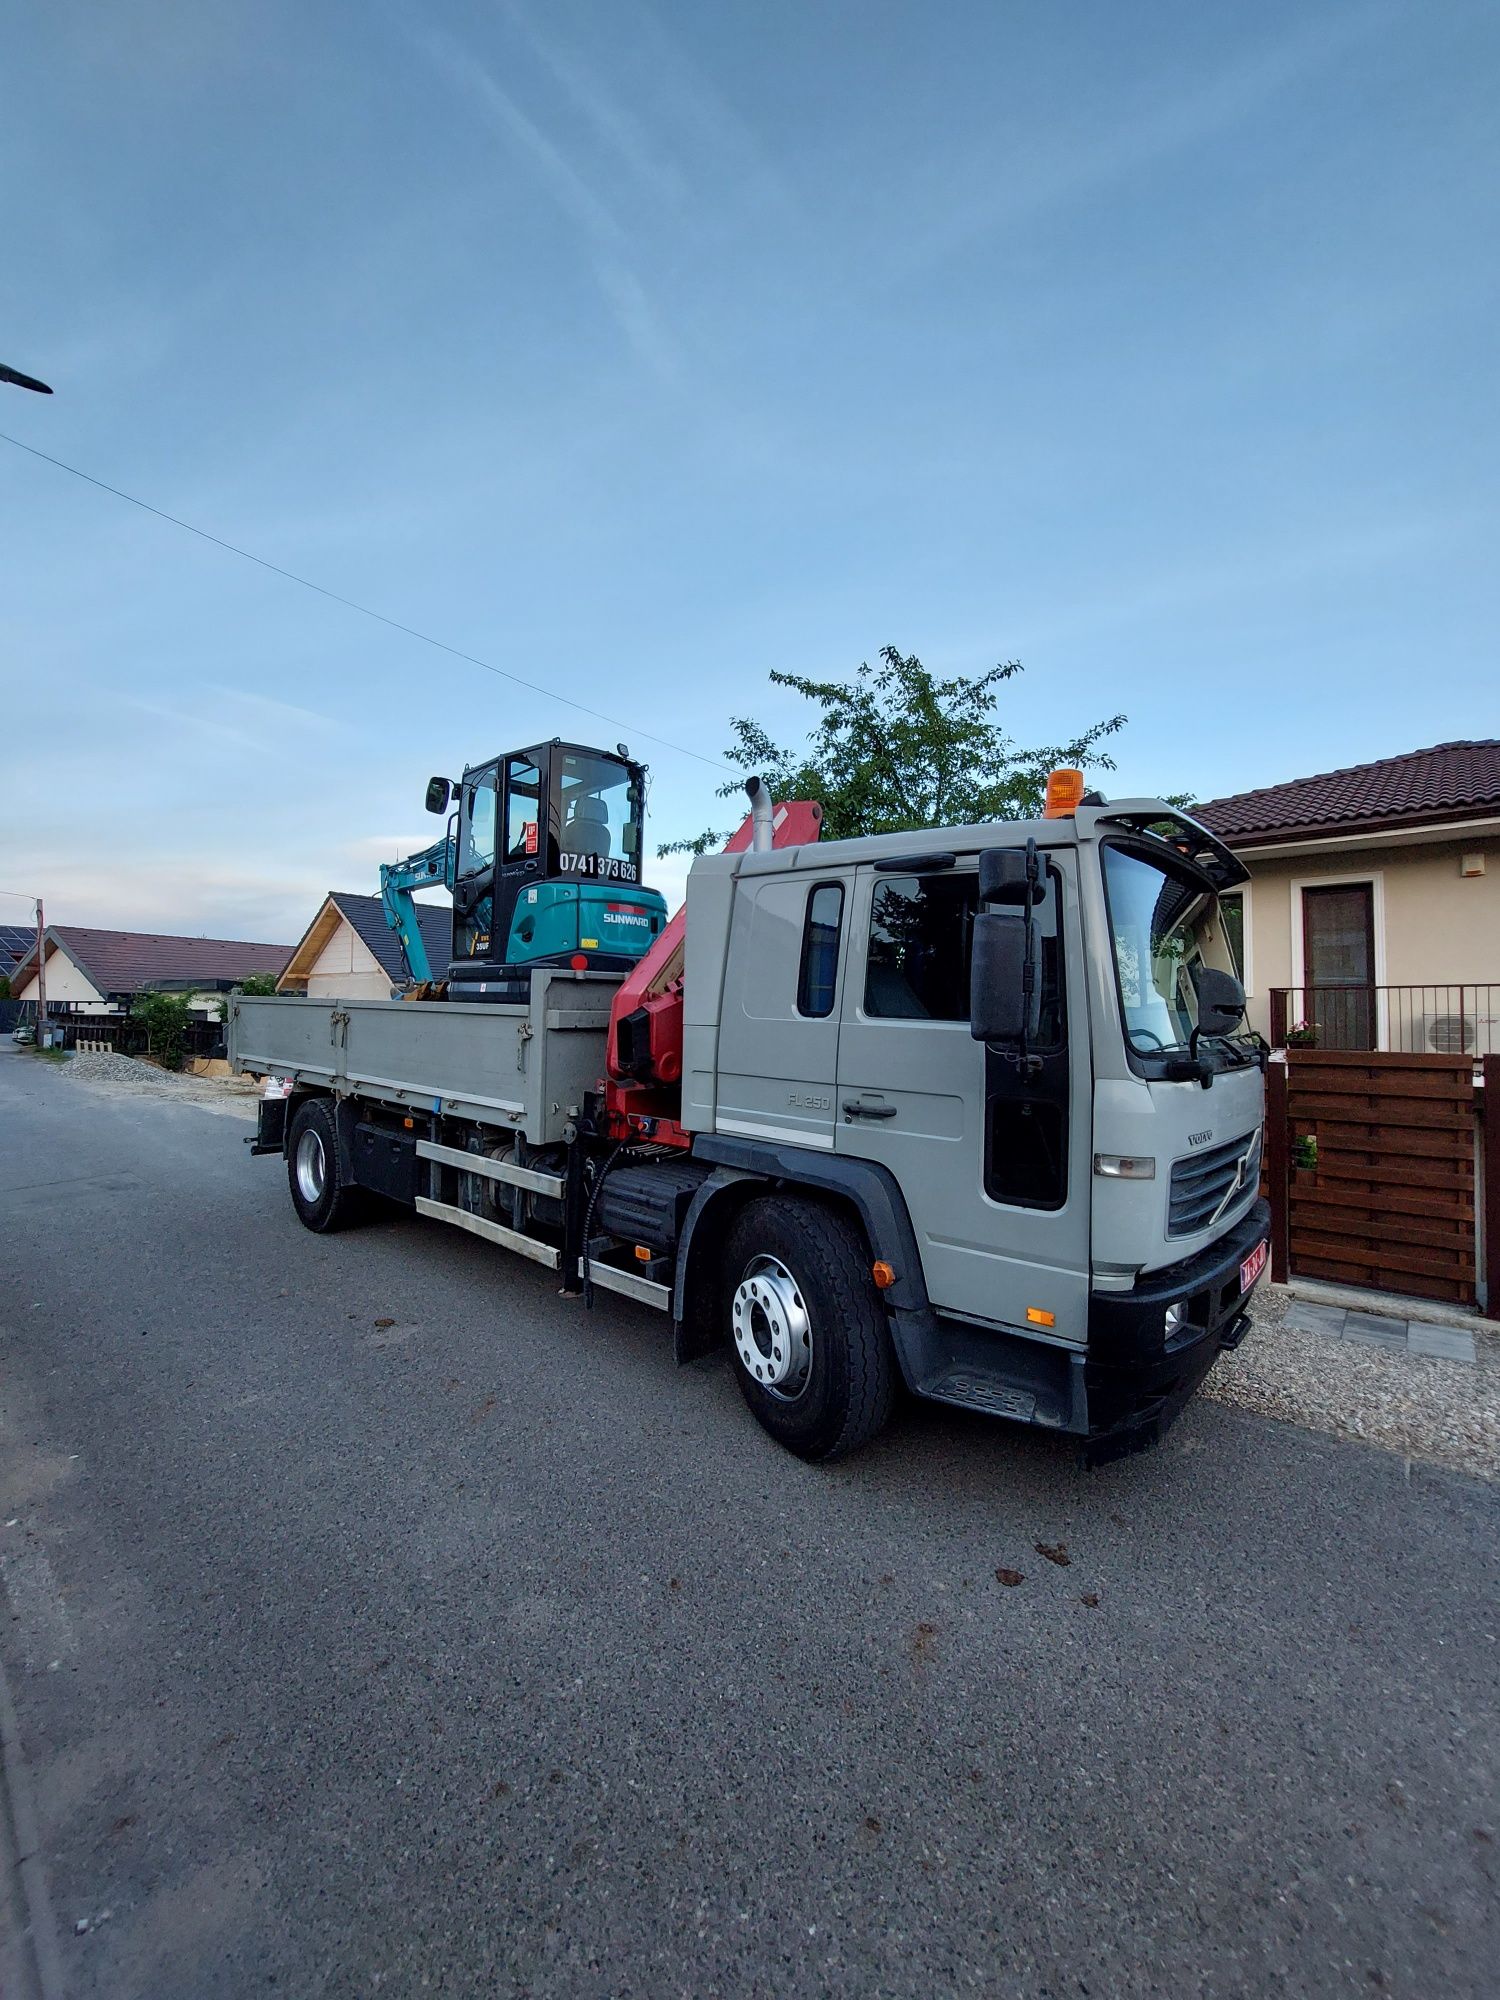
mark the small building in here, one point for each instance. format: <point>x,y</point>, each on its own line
<point>350,952</point>
<point>99,973</point>
<point>1371,919</point>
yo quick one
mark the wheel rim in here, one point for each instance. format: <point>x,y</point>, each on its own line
<point>312,1167</point>
<point>772,1329</point>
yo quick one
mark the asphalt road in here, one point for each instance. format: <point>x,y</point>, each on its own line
<point>378,1622</point>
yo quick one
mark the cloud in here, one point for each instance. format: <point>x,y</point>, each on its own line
<point>1035,177</point>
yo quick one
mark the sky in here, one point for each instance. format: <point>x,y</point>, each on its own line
<point>640,350</point>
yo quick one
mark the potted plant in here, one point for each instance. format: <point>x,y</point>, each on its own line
<point>1302,1035</point>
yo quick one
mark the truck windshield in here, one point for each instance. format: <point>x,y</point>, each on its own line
<point>1164,927</point>
<point>598,817</point>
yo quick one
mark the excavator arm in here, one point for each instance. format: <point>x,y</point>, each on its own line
<point>431,869</point>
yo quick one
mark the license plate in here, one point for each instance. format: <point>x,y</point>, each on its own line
<point>1253,1265</point>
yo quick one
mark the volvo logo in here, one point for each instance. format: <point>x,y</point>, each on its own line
<point>1199,1138</point>
<point>1237,1185</point>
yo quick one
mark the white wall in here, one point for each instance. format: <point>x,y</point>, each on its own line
<point>347,969</point>
<point>64,982</point>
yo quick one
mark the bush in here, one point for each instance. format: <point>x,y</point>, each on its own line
<point>257,982</point>
<point>165,1018</point>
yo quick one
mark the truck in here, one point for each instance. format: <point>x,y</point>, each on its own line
<point>966,1112</point>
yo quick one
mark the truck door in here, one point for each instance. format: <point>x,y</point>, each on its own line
<point>992,1156</point>
<point>779,1028</point>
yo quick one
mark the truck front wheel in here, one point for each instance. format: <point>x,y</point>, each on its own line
<point>808,1332</point>
<point>322,1201</point>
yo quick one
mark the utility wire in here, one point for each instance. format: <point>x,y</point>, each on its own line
<point>352,604</point>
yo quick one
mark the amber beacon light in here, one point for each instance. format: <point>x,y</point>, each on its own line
<point>1064,790</point>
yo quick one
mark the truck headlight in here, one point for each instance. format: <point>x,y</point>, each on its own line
<point>1124,1167</point>
<point>1176,1319</point>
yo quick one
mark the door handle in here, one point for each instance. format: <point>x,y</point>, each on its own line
<point>856,1108</point>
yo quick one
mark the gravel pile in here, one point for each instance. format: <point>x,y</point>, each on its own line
<point>124,1076</point>
<point>1443,1412</point>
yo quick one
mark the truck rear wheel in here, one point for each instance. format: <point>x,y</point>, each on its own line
<point>322,1201</point>
<point>807,1330</point>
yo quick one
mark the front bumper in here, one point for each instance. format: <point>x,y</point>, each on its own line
<point>1135,1379</point>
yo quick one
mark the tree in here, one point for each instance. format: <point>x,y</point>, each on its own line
<point>257,982</point>
<point>165,1018</point>
<point>896,748</point>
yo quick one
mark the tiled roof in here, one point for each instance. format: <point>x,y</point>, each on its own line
<point>367,916</point>
<point>1449,781</point>
<point>128,961</point>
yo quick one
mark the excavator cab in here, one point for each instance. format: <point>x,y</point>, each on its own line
<point>547,867</point>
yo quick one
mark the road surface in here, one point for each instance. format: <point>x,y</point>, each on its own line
<point>379,1622</point>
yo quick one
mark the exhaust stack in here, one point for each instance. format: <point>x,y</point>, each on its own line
<point>761,837</point>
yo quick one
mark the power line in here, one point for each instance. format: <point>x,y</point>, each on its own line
<point>352,604</point>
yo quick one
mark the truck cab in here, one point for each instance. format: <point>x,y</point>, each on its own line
<point>1082,1196</point>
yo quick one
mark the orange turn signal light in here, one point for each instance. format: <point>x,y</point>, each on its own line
<point>642,1254</point>
<point>1039,1316</point>
<point>1064,793</point>
<point>883,1274</point>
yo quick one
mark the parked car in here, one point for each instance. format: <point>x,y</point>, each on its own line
<point>23,1032</point>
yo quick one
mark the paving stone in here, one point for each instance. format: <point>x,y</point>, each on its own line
<point>1375,1330</point>
<point>1307,1317</point>
<point>1445,1343</point>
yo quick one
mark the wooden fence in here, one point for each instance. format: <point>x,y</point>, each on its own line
<point>1375,1166</point>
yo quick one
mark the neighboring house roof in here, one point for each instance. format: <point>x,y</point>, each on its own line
<point>1451,781</point>
<point>131,961</point>
<point>15,941</point>
<point>365,915</point>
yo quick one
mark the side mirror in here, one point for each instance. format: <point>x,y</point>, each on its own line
<point>997,977</point>
<point>1221,1002</point>
<point>1002,877</point>
<point>438,793</point>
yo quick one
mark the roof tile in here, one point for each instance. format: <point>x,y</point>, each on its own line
<point>1451,780</point>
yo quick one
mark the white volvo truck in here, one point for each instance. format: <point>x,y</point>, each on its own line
<point>967,1110</point>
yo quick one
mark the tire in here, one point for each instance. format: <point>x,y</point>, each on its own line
<point>323,1202</point>
<point>806,1327</point>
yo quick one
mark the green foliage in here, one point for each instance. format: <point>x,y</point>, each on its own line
<point>257,982</point>
<point>4,987</point>
<point>897,748</point>
<point>165,1017</point>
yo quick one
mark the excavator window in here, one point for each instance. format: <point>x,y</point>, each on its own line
<point>523,810</point>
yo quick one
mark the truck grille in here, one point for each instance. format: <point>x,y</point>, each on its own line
<point>1212,1186</point>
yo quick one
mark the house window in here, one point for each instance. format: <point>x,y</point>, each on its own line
<point>1232,917</point>
<point>820,950</point>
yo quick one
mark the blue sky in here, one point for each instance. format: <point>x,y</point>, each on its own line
<point>644,349</point>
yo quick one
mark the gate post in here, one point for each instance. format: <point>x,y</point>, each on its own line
<point>1489,1172</point>
<point>1278,1155</point>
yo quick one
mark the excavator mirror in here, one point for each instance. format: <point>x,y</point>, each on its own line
<point>438,793</point>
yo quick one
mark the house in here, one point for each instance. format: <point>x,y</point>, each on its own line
<point>1372,915</point>
<point>350,952</point>
<point>99,972</point>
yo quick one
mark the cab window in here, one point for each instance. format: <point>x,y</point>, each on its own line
<point>523,810</point>
<point>820,950</point>
<point>479,827</point>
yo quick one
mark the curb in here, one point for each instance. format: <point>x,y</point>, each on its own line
<point>39,1938</point>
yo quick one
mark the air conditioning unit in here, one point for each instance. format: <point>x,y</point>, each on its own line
<point>1449,1034</point>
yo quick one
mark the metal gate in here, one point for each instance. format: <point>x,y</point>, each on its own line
<point>1371,1167</point>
